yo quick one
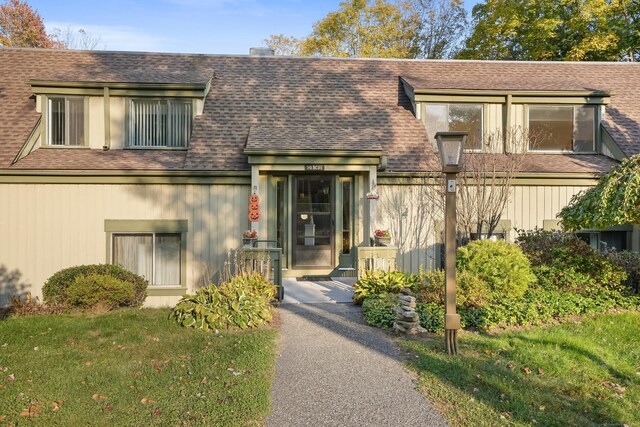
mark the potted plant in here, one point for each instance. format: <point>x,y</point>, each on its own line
<point>382,237</point>
<point>372,195</point>
<point>249,237</point>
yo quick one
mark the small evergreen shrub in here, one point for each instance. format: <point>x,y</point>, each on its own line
<point>431,316</point>
<point>55,288</point>
<point>379,310</point>
<point>630,263</point>
<point>500,265</point>
<point>89,291</point>
<point>378,282</point>
<point>470,290</point>
<point>241,302</point>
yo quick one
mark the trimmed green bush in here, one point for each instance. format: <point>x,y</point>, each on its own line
<point>55,288</point>
<point>89,291</point>
<point>564,262</point>
<point>379,310</point>
<point>241,302</point>
<point>470,290</point>
<point>431,316</point>
<point>378,282</point>
<point>500,265</point>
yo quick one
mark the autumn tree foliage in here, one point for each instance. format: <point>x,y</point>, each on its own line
<point>551,30</point>
<point>21,26</point>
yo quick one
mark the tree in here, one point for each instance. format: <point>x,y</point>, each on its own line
<point>283,45</point>
<point>81,39</point>
<point>615,200</point>
<point>442,27</point>
<point>366,29</point>
<point>576,30</point>
<point>21,26</point>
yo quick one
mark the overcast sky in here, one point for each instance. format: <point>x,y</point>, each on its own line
<point>187,26</point>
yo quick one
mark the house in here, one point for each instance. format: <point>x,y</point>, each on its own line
<point>149,160</point>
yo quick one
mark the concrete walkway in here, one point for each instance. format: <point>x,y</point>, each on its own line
<point>334,370</point>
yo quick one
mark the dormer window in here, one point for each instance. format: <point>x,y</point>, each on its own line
<point>164,123</point>
<point>66,123</point>
<point>562,128</point>
<point>455,118</point>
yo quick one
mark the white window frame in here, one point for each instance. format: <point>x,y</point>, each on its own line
<point>131,118</point>
<point>573,126</point>
<point>153,228</point>
<point>50,121</point>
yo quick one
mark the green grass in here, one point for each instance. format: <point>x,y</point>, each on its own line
<point>582,373</point>
<point>131,367</point>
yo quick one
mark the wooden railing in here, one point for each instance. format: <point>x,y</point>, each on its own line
<point>376,258</point>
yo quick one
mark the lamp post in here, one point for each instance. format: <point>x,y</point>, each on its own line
<point>450,147</point>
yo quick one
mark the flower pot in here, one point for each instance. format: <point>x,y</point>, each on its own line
<point>382,241</point>
<point>247,242</point>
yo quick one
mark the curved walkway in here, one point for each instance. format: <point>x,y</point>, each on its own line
<point>334,370</point>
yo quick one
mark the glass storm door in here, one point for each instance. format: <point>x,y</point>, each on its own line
<point>313,226</point>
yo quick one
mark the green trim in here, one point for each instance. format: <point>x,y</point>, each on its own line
<point>17,176</point>
<point>146,225</point>
<point>307,153</point>
<point>153,291</point>
<point>525,179</point>
<point>475,99</point>
<point>577,100</point>
<point>27,147</point>
<point>188,90</point>
<point>107,119</point>
<point>608,142</point>
<point>325,159</point>
<point>549,93</point>
<point>181,226</point>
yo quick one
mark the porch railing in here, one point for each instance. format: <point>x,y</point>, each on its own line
<point>266,261</point>
<point>376,258</point>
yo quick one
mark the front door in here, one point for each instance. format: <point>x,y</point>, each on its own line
<point>313,223</point>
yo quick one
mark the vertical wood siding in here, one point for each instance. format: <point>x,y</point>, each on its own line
<point>45,228</point>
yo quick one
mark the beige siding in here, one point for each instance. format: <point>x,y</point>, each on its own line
<point>45,228</point>
<point>416,225</point>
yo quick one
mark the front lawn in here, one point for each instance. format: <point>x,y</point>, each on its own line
<point>583,373</point>
<point>131,367</point>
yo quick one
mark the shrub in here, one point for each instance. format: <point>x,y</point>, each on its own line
<point>55,288</point>
<point>378,282</point>
<point>32,306</point>
<point>564,262</point>
<point>379,310</point>
<point>89,291</point>
<point>241,302</point>
<point>470,290</point>
<point>500,265</point>
<point>431,316</point>
<point>630,263</point>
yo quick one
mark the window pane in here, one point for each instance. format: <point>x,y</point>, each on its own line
<point>160,123</point>
<point>167,269</point>
<point>75,117</point>
<point>455,118</point>
<point>467,118</point>
<point>550,127</point>
<point>436,120</point>
<point>56,116</point>
<point>134,252</point>
<point>585,127</point>
<point>180,123</point>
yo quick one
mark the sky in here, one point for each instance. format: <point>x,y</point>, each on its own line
<point>185,26</point>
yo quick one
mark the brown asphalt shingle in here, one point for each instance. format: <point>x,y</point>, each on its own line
<point>298,103</point>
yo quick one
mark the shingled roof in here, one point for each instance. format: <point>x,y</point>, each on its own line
<point>298,103</point>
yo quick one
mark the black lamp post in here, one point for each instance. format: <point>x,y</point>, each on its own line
<point>450,148</point>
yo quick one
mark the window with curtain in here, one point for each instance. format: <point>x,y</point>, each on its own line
<point>160,123</point>
<point>455,118</point>
<point>562,128</point>
<point>66,121</point>
<point>156,256</point>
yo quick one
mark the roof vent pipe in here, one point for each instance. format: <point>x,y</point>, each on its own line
<point>261,51</point>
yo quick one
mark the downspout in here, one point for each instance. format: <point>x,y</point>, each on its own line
<point>107,120</point>
<point>508,130</point>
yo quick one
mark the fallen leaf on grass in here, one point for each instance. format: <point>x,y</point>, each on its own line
<point>11,378</point>
<point>3,417</point>
<point>136,374</point>
<point>87,363</point>
<point>204,381</point>
<point>158,368</point>
<point>146,401</point>
<point>511,366</point>
<point>97,396</point>
<point>527,371</point>
<point>542,407</point>
<point>56,405</point>
<point>540,372</point>
<point>31,411</point>
<point>156,412</point>
<point>107,408</point>
<point>488,352</point>
<point>614,386</point>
